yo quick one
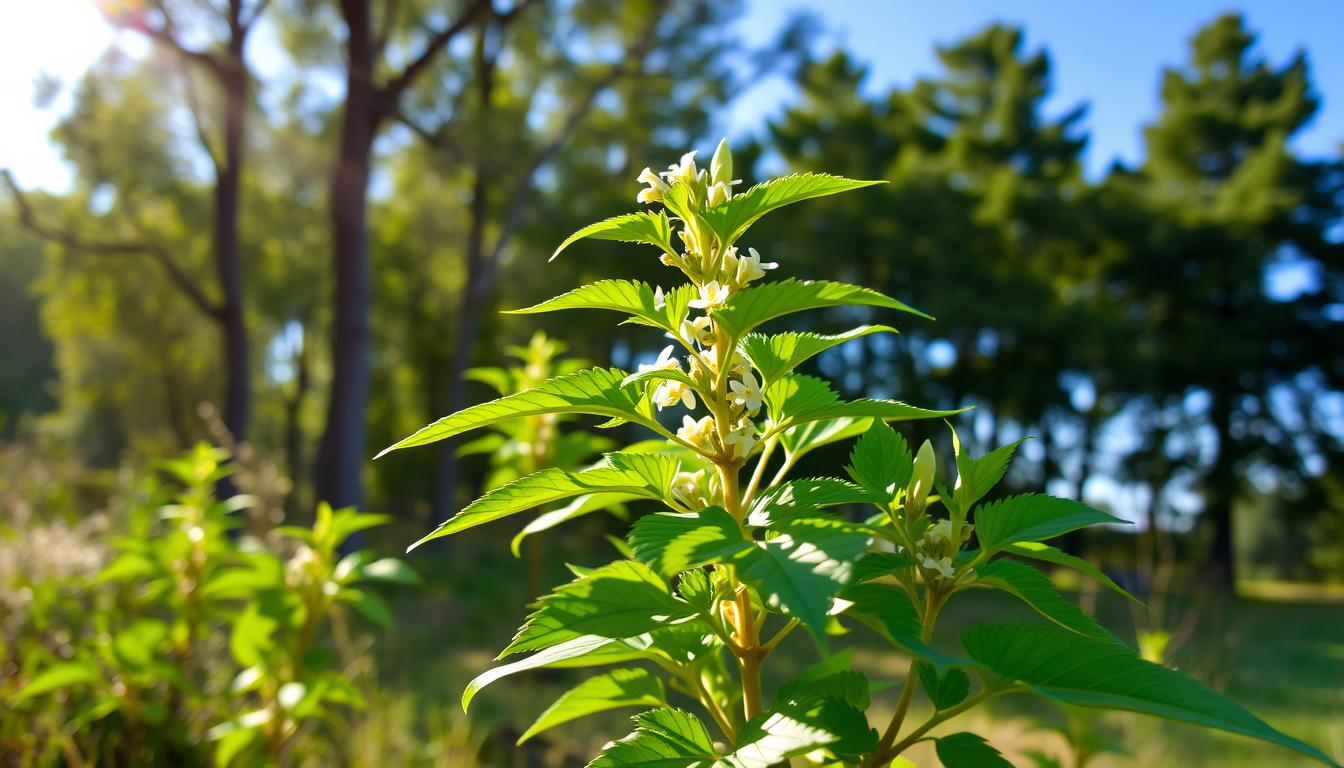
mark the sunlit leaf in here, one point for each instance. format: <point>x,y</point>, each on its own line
<point>778,354</point>
<point>651,227</point>
<point>729,220</point>
<point>1032,517</point>
<point>609,690</point>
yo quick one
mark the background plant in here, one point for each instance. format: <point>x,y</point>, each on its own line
<point>707,590</point>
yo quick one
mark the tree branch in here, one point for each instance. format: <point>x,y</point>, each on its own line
<point>166,36</point>
<point>183,281</point>
<point>392,90</point>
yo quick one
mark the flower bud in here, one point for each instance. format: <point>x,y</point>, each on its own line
<point>921,481</point>
<point>718,194</point>
<point>721,167</point>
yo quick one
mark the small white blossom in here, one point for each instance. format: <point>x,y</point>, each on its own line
<point>659,298</point>
<point>750,267</point>
<point>942,566</point>
<point>684,171</point>
<point>746,392</point>
<point>686,488</point>
<point>742,439</point>
<point>671,392</point>
<point>718,194</point>
<point>939,533</point>
<point>697,331</point>
<point>656,189</point>
<point>697,432</point>
<point>712,294</point>
<point>665,362</point>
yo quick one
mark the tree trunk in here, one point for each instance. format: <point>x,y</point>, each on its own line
<point>228,259</point>
<point>1222,491</point>
<point>341,453</point>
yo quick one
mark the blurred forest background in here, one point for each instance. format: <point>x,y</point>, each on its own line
<point>302,270</point>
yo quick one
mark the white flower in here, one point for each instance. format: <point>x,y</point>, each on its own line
<point>750,267</point>
<point>747,392</point>
<point>741,440</point>
<point>697,432</point>
<point>939,533</point>
<point>671,392</point>
<point>656,189</point>
<point>712,294</point>
<point>685,171</point>
<point>697,331</point>
<point>718,194</point>
<point>659,299</point>
<point>686,488</point>
<point>942,566</point>
<point>665,362</point>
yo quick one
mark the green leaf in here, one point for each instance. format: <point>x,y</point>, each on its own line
<point>694,587</point>
<point>1077,670</point>
<point>619,600</point>
<point>635,298</point>
<point>796,399</point>
<point>846,685</point>
<point>967,750</point>
<point>730,219</point>
<point>651,227</point>
<point>1045,552</point>
<point>369,605</point>
<point>797,726</point>
<point>232,744</point>
<point>251,637</point>
<point>802,439</point>
<point>802,497</point>
<point>1032,517</point>
<point>800,570</point>
<point>663,738</point>
<point>750,307</point>
<point>1036,590</point>
<point>595,391</point>
<point>876,565</point>
<point>977,477</point>
<point>611,690</point>
<point>671,543</point>
<point>390,570</point>
<point>58,676</point>
<point>774,356</point>
<point>887,610</point>
<point>589,650</point>
<point>635,475</point>
<point>881,461</point>
<point>946,688</point>
<point>580,506</point>
<point>135,646</point>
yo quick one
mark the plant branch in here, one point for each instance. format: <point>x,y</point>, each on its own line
<point>392,90</point>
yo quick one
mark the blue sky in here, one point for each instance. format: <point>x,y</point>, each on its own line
<point>1108,55</point>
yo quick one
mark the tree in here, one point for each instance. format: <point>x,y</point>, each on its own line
<point>1242,362</point>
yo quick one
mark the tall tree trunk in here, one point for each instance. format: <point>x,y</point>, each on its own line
<point>228,259</point>
<point>1222,492</point>
<point>341,453</point>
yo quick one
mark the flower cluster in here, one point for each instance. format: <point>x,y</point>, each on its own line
<point>715,373</point>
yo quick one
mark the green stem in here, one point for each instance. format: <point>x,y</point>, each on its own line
<point>756,475</point>
<point>934,604</point>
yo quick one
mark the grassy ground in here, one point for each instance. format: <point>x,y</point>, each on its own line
<point>1281,655</point>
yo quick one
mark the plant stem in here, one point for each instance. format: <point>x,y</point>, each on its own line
<point>750,659</point>
<point>761,461</point>
<point>934,603</point>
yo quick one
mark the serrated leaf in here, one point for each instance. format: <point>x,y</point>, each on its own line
<point>778,354</point>
<point>1108,676</point>
<point>1046,553</point>
<point>850,686</point>
<point>801,570</point>
<point>803,497</point>
<point>580,506</point>
<point>671,542</point>
<point>651,227</point>
<point>967,750</point>
<point>595,391</point>
<point>796,399</point>
<point>1036,590</point>
<point>881,461</point>
<point>876,565</point>
<point>945,688</point>
<point>1032,517</point>
<point>799,440</point>
<point>694,587</point>
<point>619,600</point>
<point>634,298</point>
<point>611,690</point>
<point>748,308</point>
<point>639,475</point>
<point>730,219</point>
<point>797,726</point>
<point>887,610</point>
<point>663,738</point>
<point>589,650</point>
<point>977,477</point>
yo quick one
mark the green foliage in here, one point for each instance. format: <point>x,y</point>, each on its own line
<point>211,643</point>
<point>741,549</point>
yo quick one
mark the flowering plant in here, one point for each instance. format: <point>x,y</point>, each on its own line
<point>744,553</point>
